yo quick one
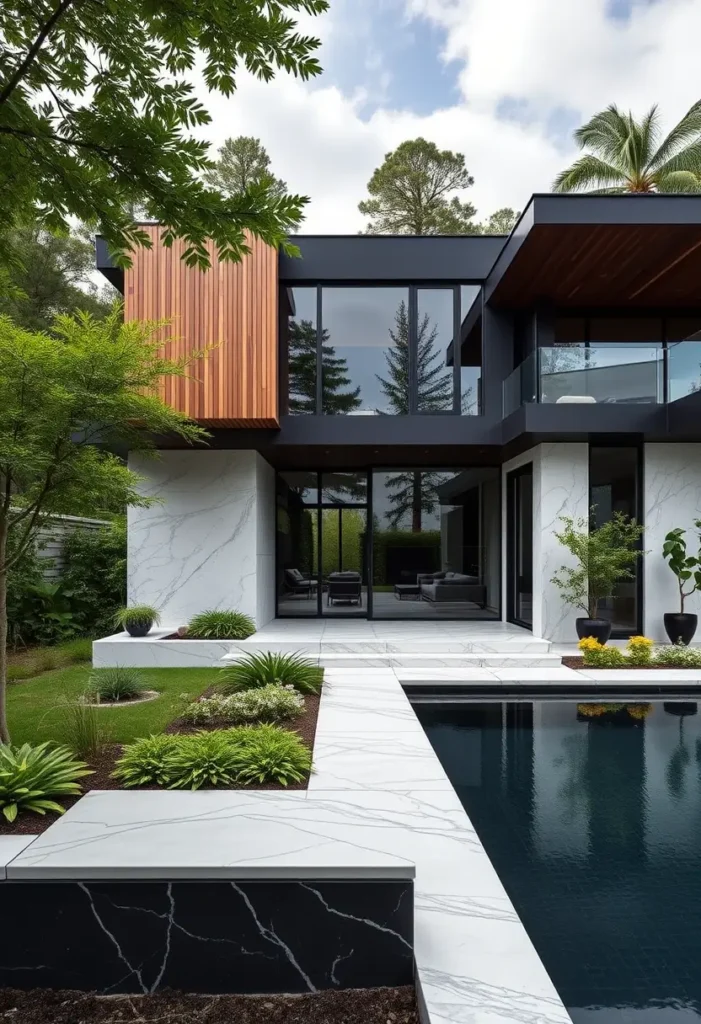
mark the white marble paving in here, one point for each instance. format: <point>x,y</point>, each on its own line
<point>10,848</point>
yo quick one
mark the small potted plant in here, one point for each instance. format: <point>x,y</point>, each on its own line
<point>604,557</point>
<point>681,625</point>
<point>138,619</point>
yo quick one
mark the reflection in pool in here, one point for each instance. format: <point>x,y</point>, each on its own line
<point>591,814</point>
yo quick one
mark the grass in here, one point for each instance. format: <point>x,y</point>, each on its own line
<point>35,714</point>
<point>24,665</point>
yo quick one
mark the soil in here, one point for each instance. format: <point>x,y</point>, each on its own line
<point>351,1006</point>
<point>103,766</point>
<point>574,661</point>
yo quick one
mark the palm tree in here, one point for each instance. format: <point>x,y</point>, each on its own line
<point>626,155</point>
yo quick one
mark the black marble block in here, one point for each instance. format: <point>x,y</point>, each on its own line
<point>207,937</point>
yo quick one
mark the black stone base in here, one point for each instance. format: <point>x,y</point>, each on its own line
<point>206,937</point>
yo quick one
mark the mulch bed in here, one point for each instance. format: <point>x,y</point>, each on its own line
<point>351,1006</point>
<point>574,661</point>
<point>33,824</point>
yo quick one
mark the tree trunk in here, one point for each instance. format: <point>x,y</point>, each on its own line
<point>416,503</point>
<point>4,732</point>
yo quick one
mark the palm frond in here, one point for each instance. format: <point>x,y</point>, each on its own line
<point>689,159</point>
<point>606,133</point>
<point>588,173</point>
<point>687,130</point>
<point>685,182</point>
<point>650,132</point>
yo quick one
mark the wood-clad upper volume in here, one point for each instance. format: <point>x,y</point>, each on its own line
<point>230,309</point>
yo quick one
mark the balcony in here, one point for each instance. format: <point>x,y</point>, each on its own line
<point>605,373</point>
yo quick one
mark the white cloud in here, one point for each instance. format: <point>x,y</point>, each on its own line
<point>547,54</point>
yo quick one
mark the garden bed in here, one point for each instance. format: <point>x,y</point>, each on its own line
<point>351,1006</point>
<point>574,661</point>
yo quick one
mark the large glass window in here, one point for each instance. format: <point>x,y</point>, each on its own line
<point>436,543</point>
<point>300,350</point>
<point>365,351</point>
<point>613,487</point>
<point>435,384</point>
<point>684,357</point>
<point>519,497</point>
<point>470,349</point>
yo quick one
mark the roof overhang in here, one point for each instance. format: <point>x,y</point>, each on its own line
<point>572,251</point>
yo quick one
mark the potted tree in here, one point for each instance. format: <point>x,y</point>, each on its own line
<point>681,625</point>
<point>604,556</point>
<point>138,619</point>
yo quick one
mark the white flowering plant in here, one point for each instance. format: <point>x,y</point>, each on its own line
<point>272,703</point>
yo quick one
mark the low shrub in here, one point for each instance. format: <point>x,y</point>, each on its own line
<point>243,755</point>
<point>257,670</point>
<point>596,655</point>
<point>32,777</point>
<point>84,727</point>
<point>17,673</point>
<point>73,652</point>
<point>678,656</point>
<point>95,573</point>
<point>272,703</point>
<point>220,625</point>
<point>145,761</point>
<point>639,650</point>
<point>114,684</point>
<point>271,754</point>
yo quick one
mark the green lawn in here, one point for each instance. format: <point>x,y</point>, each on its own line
<point>34,712</point>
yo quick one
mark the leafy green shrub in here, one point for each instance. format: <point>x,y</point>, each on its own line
<point>145,761</point>
<point>95,574</point>
<point>137,616</point>
<point>73,652</point>
<point>272,703</point>
<point>30,777</point>
<point>596,655</point>
<point>113,684</point>
<point>220,625</point>
<point>678,656</point>
<point>204,759</point>
<point>256,670</point>
<point>271,754</point>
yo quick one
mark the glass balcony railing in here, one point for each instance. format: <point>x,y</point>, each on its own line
<point>683,369</point>
<point>606,372</point>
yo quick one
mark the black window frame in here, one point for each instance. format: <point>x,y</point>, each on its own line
<point>413,288</point>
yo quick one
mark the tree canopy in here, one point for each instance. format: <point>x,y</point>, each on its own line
<point>626,155</point>
<point>243,162</point>
<point>98,105</point>
<point>67,401</point>
<point>501,222</point>
<point>413,192</point>
<point>52,275</point>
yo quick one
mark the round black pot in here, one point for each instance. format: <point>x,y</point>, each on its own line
<point>681,708</point>
<point>138,628</point>
<point>680,626</point>
<point>600,629</point>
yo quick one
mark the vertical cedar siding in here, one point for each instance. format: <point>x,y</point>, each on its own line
<point>231,308</point>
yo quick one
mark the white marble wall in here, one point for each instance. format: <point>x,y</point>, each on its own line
<point>210,542</point>
<point>560,488</point>
<point>671,498</point>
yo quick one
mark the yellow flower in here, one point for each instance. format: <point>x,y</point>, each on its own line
<point>589,643</point>
<point>639,711</point>
<point>640,641</point>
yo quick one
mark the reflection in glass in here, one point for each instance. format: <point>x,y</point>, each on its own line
<point>434,336</point>
<point>344,488</point>
<point>601,372</point>
<point>301,351</point>
<point>365,351</point>
<point>436,544</point>
<point>344,590</point>
<point>470,352</point>
<point>684,357</point>
<point>613,487</point>
<point>304,483</point>
<point>296,528</point>
<point>520,545</point>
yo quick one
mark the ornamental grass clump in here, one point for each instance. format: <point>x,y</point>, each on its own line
<point>272,703</point>
<point>639,650</point>
<point>216,624</point>
<point>596,655</point>
<point>115,684</point>
<point>32,777</point>
<point>271,754</point>
<point>258,670</point>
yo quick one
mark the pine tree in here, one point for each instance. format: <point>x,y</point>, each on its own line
<point>414,492</point>
<point>302,373</point>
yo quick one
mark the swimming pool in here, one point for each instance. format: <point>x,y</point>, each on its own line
<point>591,815</point>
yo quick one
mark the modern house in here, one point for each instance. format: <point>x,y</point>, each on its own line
<point>398,422</point>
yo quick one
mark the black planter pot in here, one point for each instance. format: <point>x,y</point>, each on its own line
<point>680,626</point>
<point>139,628</point>
<point>600,629</point>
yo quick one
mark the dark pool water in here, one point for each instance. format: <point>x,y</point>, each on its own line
<point>593,822</point>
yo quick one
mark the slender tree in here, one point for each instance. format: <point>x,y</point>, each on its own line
<point>97,110</point>
<point>66,401</point>
<point>243,162</point>
<point>626,155</point>
<point>414,492</point>
<point>413,192</point>
<point>501,222</point>
<point>302,373</point>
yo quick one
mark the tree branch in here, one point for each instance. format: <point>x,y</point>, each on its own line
<point>33,50</point>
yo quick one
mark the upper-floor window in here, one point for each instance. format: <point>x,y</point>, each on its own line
<point>380,351</point>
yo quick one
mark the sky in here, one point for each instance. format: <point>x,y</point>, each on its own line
<point>504,82</point>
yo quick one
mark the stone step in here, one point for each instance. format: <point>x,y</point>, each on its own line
<point>435,648</point>
<point>427,660</point>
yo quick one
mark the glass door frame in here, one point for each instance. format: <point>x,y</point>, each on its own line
<point>513,542</point>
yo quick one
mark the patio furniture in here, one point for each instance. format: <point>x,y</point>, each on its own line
<point>408,591</point>
<point>344,586</point>
<point>297,584</point>
<point>454,586</point>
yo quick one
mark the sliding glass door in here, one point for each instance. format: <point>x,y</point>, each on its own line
<point>519,496</point>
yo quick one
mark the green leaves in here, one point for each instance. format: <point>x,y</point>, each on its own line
<point>263,669</point>
<point>684,566</point>
<point>97,102</point>
<point>30,777</point>
<point>220,624</point>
